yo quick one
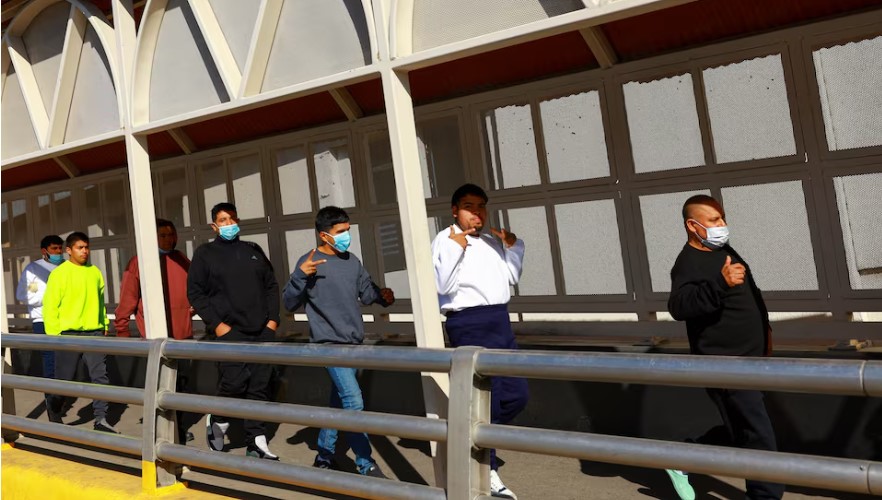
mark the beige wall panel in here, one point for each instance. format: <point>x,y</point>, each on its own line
<point>184,77</point>
<point>317,38</point>
<point>236,19</point>
<point>93,108</point>
<point>439,22</point>
<point>18,135</point>
<point>44,40</point>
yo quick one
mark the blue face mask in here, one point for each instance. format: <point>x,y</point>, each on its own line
<point>341,241</point>
<point>228,232</point>
<point>165,252</point>
<point>56,258</point>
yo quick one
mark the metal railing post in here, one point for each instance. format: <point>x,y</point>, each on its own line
<point>7,396</point>
<point>158,424</point>
<point>468,467</point>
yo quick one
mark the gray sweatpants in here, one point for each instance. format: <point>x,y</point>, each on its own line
<point>66,369</point>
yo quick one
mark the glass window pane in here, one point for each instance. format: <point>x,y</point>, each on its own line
<point>297,243</point>
<point>62,208</point>
<point>21,235</point>
<point>850,85</point>
<point>43,225</point>
<point>261,239</point>
<point>117,207</point>
<point>213,182</point>
<point>575,143</point>
<point>247,188</point>
<point>590,248</point>
<point>664,233</point>
<point>531,225</point>
<point>749,111</point>
<point>94,214</point>
<point>294,180</point>
<point>175,197</point>
<point>9,282</point>
<point>394,265</point>
<point>663,124</point>
<point>4,231</point>
<point>860,204</point>
<point>441,156</point>
<point>382,174</point>
<point>98,258</point>
<point>333,173</point>
<point>511,147</point>
<point>752,212</point>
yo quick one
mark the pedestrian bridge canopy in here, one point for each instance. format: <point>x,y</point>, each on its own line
<point>588,122</point>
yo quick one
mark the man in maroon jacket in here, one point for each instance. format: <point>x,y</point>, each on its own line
<point>175,266</point>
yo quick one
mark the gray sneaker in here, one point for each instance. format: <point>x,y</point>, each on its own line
<point>374,471</point>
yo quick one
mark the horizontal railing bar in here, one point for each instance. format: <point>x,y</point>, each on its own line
<point>116,394</point>
<point>404,426</point>
<point>817,472</point>
<point>114,442</point>
<point>281,353</point>
<point>816,376</point>
<point>321,479</point>
<point>107,345</point>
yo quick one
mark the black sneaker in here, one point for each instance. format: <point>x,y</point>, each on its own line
<point>104,426</point>
<point>374,471</point>
<point>321,463</point>
<point>54,417</point>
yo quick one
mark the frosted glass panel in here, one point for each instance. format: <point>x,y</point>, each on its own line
<point>394,265</point>
<point>63,208</point>
<point>531,225</point>
<point>663,124</point>
<point>213,181</point>
<point>749,111</point>
<point>260,239</point>
<point>4,231</point>
<point>859,199</point>
<point>333,173</point>
<point>293,180</point>
<point>175,197</point>
<point>44,216</point>
<point>20,224</point>
<point>761,217</point>
<point>116,207</point>
<point>382,174</point>
<point>93,211</point>
<point>297,243</point>
<point>590,248</point>
<point>664,233</point>
<point>441,156</point>
<point>511,147</point>
<point>850,84</point>
<point>575,143</point>
<point>247,188</point>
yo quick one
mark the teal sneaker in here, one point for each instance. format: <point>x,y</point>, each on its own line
<point>680,481</point>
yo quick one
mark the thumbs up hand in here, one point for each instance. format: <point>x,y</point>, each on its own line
<point>733,273</point>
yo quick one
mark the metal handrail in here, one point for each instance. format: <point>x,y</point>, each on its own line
<point>466,430</point>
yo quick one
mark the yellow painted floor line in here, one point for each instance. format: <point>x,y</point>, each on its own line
<point>31,475</point>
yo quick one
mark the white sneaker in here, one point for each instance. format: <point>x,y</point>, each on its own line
<point>215,432</point>
<point>260,449</point>
<point>498,489</point>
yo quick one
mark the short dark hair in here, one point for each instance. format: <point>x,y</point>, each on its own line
<point>465,190</point>
<point>165,223</point>
<point>51,239</point>
<point>223,206</point>
<point>76,237</point>
<point>701,199</point>
<point>329,217</point>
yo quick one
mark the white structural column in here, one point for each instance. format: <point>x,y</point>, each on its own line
<point>417,242</point>
<point>140,180</point>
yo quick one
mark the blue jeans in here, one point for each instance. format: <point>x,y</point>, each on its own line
<point>346,394</point>
<point>48,356</point>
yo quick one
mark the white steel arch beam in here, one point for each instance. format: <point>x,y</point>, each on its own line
<point>148,36</point>
<point>401,28</point>
<point>261,45</point>
<point>37,111</point>
<point>217,45</point>
<point>67,75</point>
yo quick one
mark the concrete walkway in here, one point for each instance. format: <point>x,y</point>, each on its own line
<point>530,476</point>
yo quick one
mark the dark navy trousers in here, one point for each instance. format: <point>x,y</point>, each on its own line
<point>489,327</point>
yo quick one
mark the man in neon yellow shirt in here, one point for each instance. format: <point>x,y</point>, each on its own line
<point>74,305</point>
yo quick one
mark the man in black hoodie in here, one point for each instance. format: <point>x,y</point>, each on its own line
<point>233,289</point>
<point>713,290</point>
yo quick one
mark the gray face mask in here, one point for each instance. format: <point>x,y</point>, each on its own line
<point>717,237</point>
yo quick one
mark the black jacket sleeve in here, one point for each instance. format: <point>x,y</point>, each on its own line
<point>198,283</point>
<point>693,296</point>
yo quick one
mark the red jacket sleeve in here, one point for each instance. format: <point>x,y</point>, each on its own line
<point>129,296</point>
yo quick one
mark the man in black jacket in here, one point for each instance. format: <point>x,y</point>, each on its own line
<point>713,290</point>
<point>233,289</point>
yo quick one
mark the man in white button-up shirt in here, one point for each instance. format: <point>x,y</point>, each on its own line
<point>474,272</point>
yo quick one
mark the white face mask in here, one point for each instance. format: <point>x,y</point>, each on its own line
<point>717,237</point>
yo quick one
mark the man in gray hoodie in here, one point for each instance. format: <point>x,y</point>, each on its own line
<point>331,285</point>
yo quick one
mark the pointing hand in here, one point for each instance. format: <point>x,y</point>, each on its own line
<point>460,238</point>
<point>508,238</point>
